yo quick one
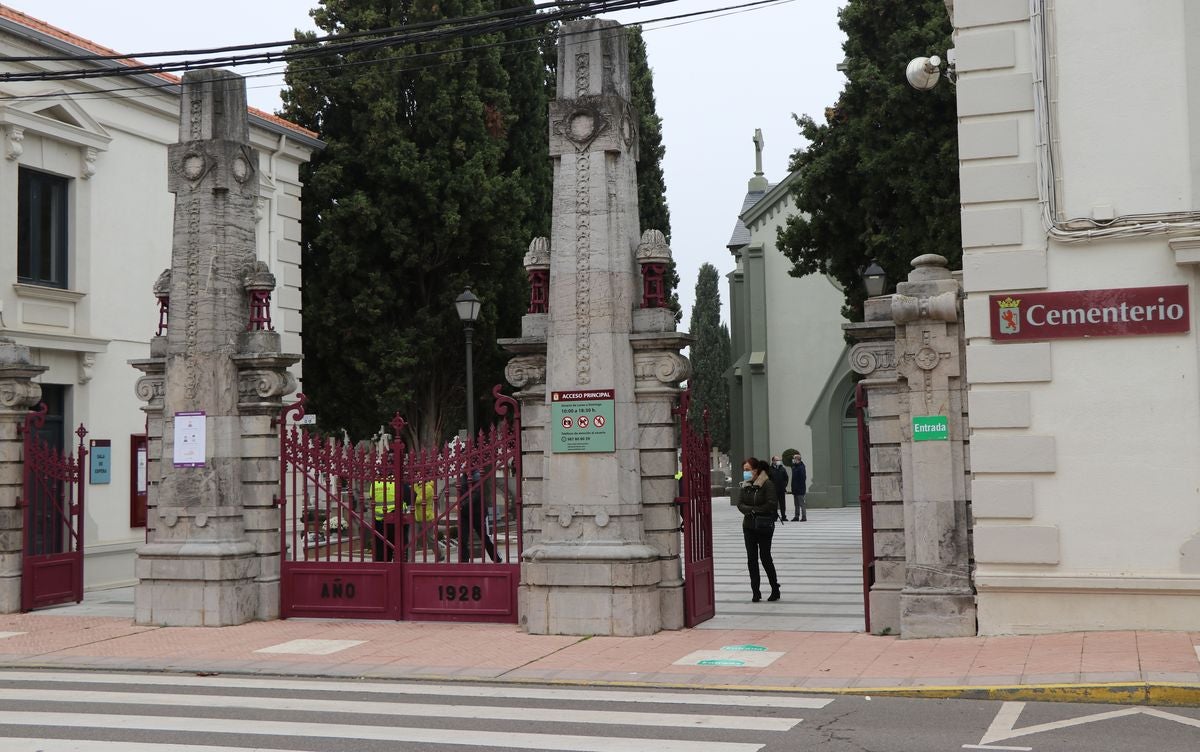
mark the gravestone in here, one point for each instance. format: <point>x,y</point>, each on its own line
<point>212,384</point>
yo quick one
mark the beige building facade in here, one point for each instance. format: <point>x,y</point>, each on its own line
<point>1079,141</point>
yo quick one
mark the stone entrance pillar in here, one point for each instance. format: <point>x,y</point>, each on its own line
<point>601,554</point>
<point>938,599</point>
<point>220,367</point>
<point>18,393</point>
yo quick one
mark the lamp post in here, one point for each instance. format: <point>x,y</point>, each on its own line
<point>874,279</point>
<point>467,306</point>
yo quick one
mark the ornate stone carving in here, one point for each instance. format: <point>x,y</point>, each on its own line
<point>583,125</point>
<point>654,248</point>
<point>665,367</point>
<point>538,256</point>
<point>583,73</point>
<point>868,357</point>
<point>907,309</point>
<point>19,393</point>
<point>526,370</point>
<point>151,389</point>
<point>258,385</point>
<point>88,168</point>
<point>87,361</point>
<point>583,268</point>
<point>162,285</point>
<point>14,149</point>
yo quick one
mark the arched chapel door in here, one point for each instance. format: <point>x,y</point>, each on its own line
<point>849,452</point>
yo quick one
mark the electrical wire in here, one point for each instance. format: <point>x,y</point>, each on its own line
<point>449,30</point>
<point>149,89</point>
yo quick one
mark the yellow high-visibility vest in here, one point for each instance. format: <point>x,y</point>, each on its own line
<point>423,501</point>
<point>383,498</point>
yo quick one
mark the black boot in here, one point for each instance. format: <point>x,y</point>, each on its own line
<point>774,596</point>
<point>756,597</point>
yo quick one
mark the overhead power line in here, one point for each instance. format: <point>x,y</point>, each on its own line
<point>443,30</point>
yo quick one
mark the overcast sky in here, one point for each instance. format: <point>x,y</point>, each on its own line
<point>716,79</point>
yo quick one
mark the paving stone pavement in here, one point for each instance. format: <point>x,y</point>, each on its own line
<point>819,564</point>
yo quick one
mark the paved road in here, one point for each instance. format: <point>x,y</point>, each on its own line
<point>95,712</point>
<point>820,573</point>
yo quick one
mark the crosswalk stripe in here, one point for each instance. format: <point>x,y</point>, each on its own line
<point>87,745</point>
<point>421,710</point>
<point>506,692</point>
<point>474,738</point>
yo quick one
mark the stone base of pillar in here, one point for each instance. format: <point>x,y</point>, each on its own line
<point>197,584</point>
<point>268,599</point>
<point>591,589</point>
<point>885,609</point>
<point>929,613</point>
<point>10,593</point>
<point>671,605</point>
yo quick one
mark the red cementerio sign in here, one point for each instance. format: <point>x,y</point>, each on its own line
<point>1018,317</point>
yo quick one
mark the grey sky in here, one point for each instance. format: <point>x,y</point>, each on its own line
<point>715,79</point>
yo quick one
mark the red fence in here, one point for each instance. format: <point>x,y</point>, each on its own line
<point>695,502</point>
<point>52,506</point>
<point>385,532</point>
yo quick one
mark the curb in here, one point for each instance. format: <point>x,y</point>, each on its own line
<point>1165,694</point>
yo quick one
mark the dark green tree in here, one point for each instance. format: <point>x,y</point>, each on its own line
<point>651,183</point>
<point>879,179</point>
<point>434,178</point>
<point>710,359</point>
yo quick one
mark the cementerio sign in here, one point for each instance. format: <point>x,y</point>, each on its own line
<point>1018,317</point>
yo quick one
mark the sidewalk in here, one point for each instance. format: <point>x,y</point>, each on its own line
<point>1159,668</point>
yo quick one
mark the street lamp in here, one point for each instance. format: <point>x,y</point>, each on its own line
<point>874,280</point>
<point>467,306</point>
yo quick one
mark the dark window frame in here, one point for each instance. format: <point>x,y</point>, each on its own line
<point>43,208</point>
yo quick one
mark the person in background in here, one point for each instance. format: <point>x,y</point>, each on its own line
<point>470,517</point>
<point>799,488</point>
<point>383,504</point>
<point>424,508</point>
<point>759,507</point>
<point>780,479</point>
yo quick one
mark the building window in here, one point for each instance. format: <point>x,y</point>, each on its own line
<point>41,228</point>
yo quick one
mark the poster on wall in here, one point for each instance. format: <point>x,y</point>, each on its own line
<point>189,439</point>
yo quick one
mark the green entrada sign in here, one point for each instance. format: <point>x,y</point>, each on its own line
<point>930,428</point>
<point>582,421</point>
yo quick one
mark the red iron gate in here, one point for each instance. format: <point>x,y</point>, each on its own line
<point>695,503</point>
<point>440,510</point>
<point>52,506</point>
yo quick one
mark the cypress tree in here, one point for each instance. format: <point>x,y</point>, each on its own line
<point>710,359</point>
<point>429,183</point>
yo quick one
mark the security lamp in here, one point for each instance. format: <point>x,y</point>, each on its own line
<point>467,306</point>
<point>874,279</point>
<point>923,73</point>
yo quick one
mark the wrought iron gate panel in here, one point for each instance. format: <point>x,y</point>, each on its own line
<point>454,505</point>
<point>695,501</point>
<point>52,509</point>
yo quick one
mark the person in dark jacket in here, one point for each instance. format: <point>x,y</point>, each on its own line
<point>780,479</point>
<point>471,518</point>
<point>799,488</point>
<point>759,506</point>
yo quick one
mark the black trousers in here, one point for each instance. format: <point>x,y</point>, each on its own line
<point>758,545</point>
<point>470,517</point>
<point>383,551</point>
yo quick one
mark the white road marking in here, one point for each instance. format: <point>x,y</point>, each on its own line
<point>287,729</point>
<point>311,647</point>
<point>507,692</point>
<point>1002,729</point>
<point>4,635</point>
<point>985,746</point>
<point>538,715</point>
<point>86,745</point>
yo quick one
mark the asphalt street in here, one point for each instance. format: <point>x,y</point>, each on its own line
<point>124,712</point>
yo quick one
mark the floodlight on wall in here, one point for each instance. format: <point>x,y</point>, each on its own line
<point>874,279</point>
<point>923,73</point>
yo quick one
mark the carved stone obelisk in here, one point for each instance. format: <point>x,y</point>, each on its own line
<point>590,566</point>
<point>198,566</point>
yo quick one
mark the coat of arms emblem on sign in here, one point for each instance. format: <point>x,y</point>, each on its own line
<point>1010,315</point>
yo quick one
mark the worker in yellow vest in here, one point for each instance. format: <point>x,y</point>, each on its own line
<point>424,508</point>
<point>383,503</point>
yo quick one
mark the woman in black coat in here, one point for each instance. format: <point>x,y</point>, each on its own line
<point>759,504</point>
